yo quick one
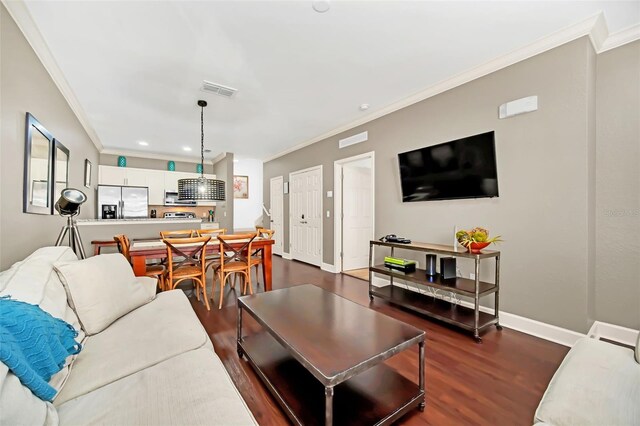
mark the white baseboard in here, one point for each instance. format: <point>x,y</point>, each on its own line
<point>286,255</point>
<point>624,335</point>
<point>529,326</point>
<point>329,268</point>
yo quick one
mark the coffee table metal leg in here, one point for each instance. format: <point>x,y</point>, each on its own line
<point>421,374</point>
<point>239,341</point>
<point>328,406</point>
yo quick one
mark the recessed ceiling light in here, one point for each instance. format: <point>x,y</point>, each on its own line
<point>364,107</point>
<point>321,6</point>
<point>143,143</point>
<point>186,148</point>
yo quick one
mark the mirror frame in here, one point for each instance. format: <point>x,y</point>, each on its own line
<point>31,123</point>
<point>57,145</point>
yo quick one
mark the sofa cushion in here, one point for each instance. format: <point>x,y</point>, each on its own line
<point>597,384</point>
<point>154,332</point>
<point>103,288</point>
<point>33,280</point>
<point>189,389</point>
<point>18,406</point>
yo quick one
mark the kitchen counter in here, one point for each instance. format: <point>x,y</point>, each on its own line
<point>142,221</point>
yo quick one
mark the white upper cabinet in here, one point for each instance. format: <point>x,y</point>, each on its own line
<point>108,175</point>
<point>137,177</point>
<point>155,182</point>
<point>158,181</point>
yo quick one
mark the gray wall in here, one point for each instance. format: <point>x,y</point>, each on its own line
<point>546,167</point>
<point>153,164</point>
<point>25,86</point>
<point>617,292</point>
<point>223,169</point>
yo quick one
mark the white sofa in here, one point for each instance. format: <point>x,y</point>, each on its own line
<point>598,384</point>
<point>154,365</point>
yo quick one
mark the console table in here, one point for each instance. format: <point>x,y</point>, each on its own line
<point>428,304</point>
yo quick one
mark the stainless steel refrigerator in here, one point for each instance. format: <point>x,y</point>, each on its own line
<point>130,202</point>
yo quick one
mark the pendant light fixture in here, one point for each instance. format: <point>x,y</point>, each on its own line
<point>201,189</point>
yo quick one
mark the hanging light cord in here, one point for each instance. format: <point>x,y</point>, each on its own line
<point>202,142</point>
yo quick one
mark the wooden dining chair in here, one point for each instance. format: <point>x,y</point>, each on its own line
<point>212,258</point>
<point>156,271</point>
<point>257,256</point>
<point>183,233</point>
<point>186,261</point>
<point>234,259</point>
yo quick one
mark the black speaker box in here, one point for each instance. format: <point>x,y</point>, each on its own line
<point>447,268</point>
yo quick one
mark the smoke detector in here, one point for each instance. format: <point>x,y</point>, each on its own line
<point>218,89</point>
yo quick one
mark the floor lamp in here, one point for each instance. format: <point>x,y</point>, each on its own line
<point>68,205</point>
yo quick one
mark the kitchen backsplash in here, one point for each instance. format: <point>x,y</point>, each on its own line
<point>201,212</point>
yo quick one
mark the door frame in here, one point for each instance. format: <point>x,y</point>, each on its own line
<point>281,209</point>
<point>337,203</point>
<point>308,169</point>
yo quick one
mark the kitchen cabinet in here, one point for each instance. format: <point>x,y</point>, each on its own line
<point>158,181</point>
<point>155,182</point>
<point>108,175</point>
<point>136,177</point>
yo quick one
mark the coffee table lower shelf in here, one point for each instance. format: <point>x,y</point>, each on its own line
<point>376,396</point>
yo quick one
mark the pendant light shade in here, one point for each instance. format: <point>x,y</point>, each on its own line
<point>201,189</point>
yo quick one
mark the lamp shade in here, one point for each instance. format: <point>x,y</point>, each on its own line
<point>201,189</point>
<point>70,201</point>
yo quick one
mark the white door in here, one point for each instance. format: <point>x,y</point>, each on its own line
<point>276,201</point>
<point>305,218</point>
<point>357,216</point>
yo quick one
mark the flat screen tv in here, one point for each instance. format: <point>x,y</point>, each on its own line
<point>463,168</point>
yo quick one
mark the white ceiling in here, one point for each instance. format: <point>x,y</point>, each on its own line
<point>136,67</point>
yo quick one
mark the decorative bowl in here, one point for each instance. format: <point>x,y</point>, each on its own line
<point>476,247</point>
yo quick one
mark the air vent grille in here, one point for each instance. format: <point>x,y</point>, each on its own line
<point>218,89</point>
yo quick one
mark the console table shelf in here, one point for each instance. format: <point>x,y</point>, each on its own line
<point>427,304</point>
<point>457,285</point>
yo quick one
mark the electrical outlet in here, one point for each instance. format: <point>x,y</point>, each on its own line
<point>472,276</point>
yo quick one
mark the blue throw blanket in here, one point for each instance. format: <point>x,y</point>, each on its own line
<point>34,345</point>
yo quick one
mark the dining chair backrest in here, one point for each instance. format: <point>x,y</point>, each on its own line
<point>265,233</point>
<point>237,252</point>
<point>184,233</point>
<point>212,232</point>
<point>123,245</point>
<point>191,253</point>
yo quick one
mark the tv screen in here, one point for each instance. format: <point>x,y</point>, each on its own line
<point>463,168</point>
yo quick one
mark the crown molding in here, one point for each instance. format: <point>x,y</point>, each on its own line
<point>152,156</point>
<point>620,38</point>
<point>23,19</point>
<point>595,27</point>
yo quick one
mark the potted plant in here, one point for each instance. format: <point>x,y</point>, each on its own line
<point>476,239</point>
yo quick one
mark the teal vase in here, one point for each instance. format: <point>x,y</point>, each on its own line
<point>199,168</point>
<point>171,166</point>
<point>122,161</point>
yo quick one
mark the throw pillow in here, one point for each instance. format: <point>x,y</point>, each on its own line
<point>102,289</point>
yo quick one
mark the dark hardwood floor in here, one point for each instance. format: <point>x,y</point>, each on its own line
<point>499,382</point>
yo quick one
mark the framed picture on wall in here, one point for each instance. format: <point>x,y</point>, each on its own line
<point>87,173</point>
<point>241,187</point>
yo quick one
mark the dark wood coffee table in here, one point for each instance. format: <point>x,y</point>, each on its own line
<point>321,356</point>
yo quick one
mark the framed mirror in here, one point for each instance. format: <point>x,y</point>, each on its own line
<point>60,168</point>
<point>38,168</point>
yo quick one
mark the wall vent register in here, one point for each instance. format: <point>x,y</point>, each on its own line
<point>218,89</point>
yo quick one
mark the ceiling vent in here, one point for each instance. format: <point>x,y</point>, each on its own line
<point>218,89</point>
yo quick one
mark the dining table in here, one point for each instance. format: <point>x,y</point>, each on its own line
<point>148,249</point>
